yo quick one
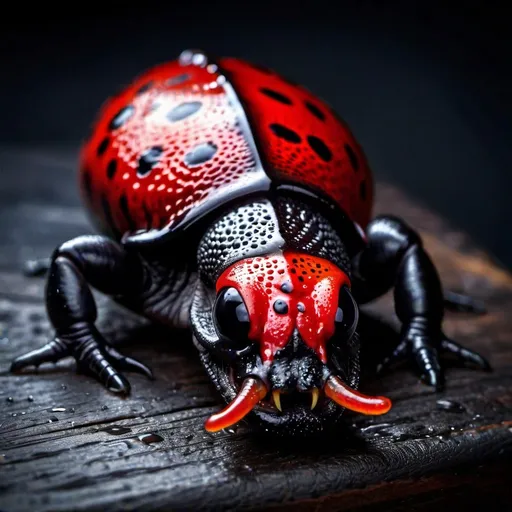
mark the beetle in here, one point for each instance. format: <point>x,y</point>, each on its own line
<point>237,204</point>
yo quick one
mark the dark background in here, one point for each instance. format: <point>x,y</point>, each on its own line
<point>425,86</point>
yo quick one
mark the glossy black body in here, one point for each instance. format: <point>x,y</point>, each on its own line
<point>175,286</point>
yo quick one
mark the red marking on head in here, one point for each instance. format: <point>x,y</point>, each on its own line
<point>312,301</point>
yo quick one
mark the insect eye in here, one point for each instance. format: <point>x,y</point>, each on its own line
<point>231,320</point>
<point>347,315</point>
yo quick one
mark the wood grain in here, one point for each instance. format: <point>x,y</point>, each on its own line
<point>58,452</point>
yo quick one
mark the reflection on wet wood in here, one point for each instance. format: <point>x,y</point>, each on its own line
<point>66,443</point>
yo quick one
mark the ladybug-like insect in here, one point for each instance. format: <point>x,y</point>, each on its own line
<point>237,204</point>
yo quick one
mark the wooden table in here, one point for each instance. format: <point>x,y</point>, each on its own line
<point>67,444</point>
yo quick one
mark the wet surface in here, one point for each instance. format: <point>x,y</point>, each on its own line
<point>150,438</point>
<point>116,430</point>
<point>64,440</point>
<point>450,405</point>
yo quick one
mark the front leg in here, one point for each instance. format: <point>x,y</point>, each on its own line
<point>395,256</point>
<point>101,263</point>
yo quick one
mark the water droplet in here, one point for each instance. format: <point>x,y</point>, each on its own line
<point>53,419</point>
<point>231,430</point>
<point>117,430</point>
<point>450,405</point>
<point>63,386</point>
<point>72,409</point>
<point>59,409</point>
<point>150,438</point>
<point>376,428</point>
<point>14,414</point>
<point>72,423</point>
<point>10,399</point>
<point>30,398</point>
<point>23,413</point>
<point>104,407</point>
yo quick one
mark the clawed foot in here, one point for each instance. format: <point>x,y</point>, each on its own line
<point>424,350</point>
<point>93,356</point>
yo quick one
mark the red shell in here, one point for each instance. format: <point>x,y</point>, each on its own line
<point>176,143</point>
<point>318,150</point>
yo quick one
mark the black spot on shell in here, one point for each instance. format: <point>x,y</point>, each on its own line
<point>315,110</point>
<point>87,182</point>
<point>121,117</point>
<point>111,169</point>
<point>362,190</point>
<point>275,95</point>
<point>320,148</point>
<point>352,157</point>
<point>148,216</point>
<point>144,88</point>
<point>162,222</point>
<point>179,79</point>
<point>148,160</point>
<point>200,154</point>
<point>107,213</point>
<point>285,133</point>
<point>280,307</point>
<point>184,110</point>
<point>102,146</point>
<point>123,204</point>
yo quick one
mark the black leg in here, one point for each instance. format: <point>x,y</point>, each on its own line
<point>395,257</point>
<point>106,266</point>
